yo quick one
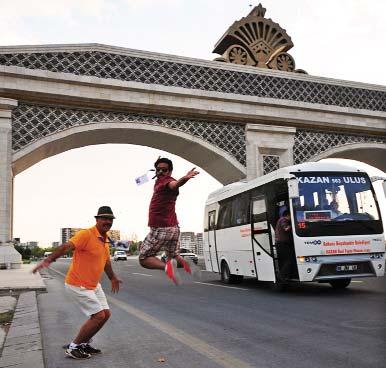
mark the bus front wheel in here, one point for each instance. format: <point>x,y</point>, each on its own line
<point>279,286</point>
<point>340,284</point>
<point>227,277</point>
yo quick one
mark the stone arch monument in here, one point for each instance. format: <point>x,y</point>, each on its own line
<point>243,115</point>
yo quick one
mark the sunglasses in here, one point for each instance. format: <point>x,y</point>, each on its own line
<point>161,169</point>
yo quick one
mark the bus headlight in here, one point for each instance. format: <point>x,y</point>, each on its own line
<point>302,259</point>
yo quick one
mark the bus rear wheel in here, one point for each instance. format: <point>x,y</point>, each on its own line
<point>340,284</point>
<point>227,277</point>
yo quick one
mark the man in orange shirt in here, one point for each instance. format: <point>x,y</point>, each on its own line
<point>90,258</point>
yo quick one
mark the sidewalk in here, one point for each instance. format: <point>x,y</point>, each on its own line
<point>21,346</point>
<point>21,279</point>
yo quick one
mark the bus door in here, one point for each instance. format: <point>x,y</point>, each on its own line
<point>212,241</point>
<point>261,242</point>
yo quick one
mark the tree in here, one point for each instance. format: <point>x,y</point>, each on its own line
<point>38,252</point>
<point>24,251</point>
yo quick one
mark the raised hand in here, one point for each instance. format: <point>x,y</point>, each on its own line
<point>192,173</point>
<point>43,264</point>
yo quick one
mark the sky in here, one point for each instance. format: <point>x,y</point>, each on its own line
<point>337,39</point>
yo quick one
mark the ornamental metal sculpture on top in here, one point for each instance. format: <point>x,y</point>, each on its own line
<point>257,41</point>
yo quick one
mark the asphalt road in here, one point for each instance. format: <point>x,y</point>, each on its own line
<point>203,323</point>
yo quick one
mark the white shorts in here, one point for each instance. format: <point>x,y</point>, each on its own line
<point>90,301</point>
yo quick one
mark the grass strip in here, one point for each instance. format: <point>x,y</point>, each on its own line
<point>6,317</point>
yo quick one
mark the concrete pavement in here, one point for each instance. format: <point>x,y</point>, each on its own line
<point>21,343</point>
<point>21,279</point>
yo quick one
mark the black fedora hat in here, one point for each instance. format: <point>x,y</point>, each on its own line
<point>106,212</point>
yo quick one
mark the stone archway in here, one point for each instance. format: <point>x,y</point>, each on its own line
<point>373,154</point>
<point>221,165</point>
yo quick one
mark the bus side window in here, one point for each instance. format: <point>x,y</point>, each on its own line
<point>240,210</point>
<point>224,216</point>
<point>212,220</point>
<point>259,210</point>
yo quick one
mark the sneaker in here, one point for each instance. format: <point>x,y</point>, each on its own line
<point>87,348</point>
<point>171,271</point>
<point>77,353</point>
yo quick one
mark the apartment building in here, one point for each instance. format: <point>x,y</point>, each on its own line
<point>114,235</point>
<point>200,244</point>
<point>66,233</point>
<point>188,241</point>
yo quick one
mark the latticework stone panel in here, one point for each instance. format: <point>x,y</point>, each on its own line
<point>270,163</point>
<point>33,122</point>
<point>167,73</point>
<point>309,143</point>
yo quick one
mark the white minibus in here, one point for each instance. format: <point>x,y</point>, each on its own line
<point>336,226</point>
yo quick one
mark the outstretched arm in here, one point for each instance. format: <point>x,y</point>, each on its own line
<point>115,281</point>
<point>63,249</point>
<point>180,182</point>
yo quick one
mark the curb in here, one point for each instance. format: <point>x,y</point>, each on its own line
<point>19,290</point>
<point>23,343</point>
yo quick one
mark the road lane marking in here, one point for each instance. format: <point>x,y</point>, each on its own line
<point>195,282</point>
<point>60,273</point>
<point>220,357</point>
<point>141,274</point>
<point>358,282</point>
<point>223,286</point>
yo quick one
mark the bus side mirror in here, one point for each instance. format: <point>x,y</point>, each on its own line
<point>293,188</point>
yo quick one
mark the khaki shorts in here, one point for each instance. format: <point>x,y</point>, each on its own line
<point>166,238</point>
<point>90,301</point>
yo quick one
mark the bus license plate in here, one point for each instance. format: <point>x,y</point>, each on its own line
<point>346,268</point>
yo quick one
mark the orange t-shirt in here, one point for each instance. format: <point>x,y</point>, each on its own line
<point>89,258</point>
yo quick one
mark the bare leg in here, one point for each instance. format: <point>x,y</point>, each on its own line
<point>92,326</point>
<point>179,260</point>
<point>155,263</point>
<point>152,263</point>
<point>186,264</point>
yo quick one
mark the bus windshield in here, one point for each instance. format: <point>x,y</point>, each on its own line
<point>335,204</point>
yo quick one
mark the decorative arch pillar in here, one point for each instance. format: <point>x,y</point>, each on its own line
<point>6,175</point>
<point>268,148</point>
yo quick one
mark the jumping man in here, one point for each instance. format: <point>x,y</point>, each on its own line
<point>164,230</point>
